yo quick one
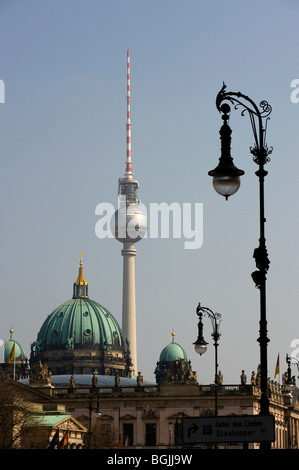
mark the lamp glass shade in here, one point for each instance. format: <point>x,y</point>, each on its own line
<point>226,185</point>
<point>200,347</point>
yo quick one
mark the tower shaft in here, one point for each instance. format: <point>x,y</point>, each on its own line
<point>128,303</point>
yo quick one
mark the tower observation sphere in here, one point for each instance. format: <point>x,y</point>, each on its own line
<point>129,224</point>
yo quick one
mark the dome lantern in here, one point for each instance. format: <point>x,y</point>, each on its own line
<point>80,287</point>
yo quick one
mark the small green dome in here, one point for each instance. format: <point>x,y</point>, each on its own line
<point>173,365</point>
<point>20,355</point>
<point>78,322</point>
<point>173,352</point>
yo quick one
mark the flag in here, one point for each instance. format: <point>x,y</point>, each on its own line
<point>63,442</point>
<point>119,438</point>
<point>11,357</point>
<point>55,440</point>
<point>277,367</point>
<point>126,442</point>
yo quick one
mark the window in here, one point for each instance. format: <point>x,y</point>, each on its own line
<point>150,434</point>
<point>128,433</point>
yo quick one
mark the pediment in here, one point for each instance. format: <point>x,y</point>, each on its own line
<point>128,416</point>
<point>70,424</point>
<point>178,415</point>
<point>106,417</point>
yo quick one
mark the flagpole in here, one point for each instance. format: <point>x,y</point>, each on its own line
<point>277,368</point>
<point>279,375</point>
<point>14,363</point>
<point>12,354</point>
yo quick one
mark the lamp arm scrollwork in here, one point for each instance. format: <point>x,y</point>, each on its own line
<point>215,317</point>
<point>260,151</point>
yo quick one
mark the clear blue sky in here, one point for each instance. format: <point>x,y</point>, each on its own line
<point>63,147</point>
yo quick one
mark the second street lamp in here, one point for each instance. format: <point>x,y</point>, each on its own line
<point>200,344</point>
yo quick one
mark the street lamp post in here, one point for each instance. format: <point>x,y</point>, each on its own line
<point>290,386</point>
<point>200,344</point>
<point>226,181</point>
<point>91,409</point>
<point>178,428</point>
<point>289,360</point>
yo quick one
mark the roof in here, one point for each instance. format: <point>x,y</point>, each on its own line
<point>52,419</point>
<point>83,380</point>
<point>59,421</point>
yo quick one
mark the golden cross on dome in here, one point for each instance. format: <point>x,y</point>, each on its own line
<point>81,254</point>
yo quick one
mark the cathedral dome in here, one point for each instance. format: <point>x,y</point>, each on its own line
<point>81,336</point>
<point>78,322</point>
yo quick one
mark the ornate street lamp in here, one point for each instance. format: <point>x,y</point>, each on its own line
<point>200,344</point>
<point>226,181</point>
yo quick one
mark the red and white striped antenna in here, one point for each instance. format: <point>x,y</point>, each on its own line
<point>128,173</point>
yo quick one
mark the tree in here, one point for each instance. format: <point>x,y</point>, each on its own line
<point>19,423</point>
<point>103,436</point>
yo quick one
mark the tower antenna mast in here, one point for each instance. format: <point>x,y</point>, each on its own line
<point>128,173</point>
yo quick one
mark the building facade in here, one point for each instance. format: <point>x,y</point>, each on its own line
<point>149,416</point>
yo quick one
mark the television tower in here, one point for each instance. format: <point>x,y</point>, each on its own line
<point>129,226</point>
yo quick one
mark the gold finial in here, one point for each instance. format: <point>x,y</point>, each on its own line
<point>173,335</point>
<point>80,254</point>
<point>80,280</point>
<point>11,332</point>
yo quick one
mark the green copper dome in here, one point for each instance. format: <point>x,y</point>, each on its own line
<point>6,349</point>
<point>76,322</point>
<point>173,365</point>
<point>81,337</point>
<point>173,352</point>
<point>79,321</point>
